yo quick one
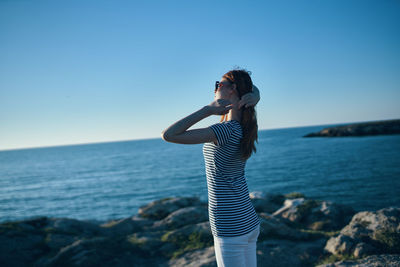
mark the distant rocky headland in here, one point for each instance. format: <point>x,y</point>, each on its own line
<point>360,129</point>
<point>295,231</point>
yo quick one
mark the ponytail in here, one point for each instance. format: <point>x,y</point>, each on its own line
<point>250,132</point>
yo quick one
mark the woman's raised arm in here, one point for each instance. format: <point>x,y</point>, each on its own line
<point>250,99</point>
<point>178,133</point>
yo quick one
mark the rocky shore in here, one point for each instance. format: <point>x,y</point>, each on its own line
<point>295,231</point>
<point>360,129</point>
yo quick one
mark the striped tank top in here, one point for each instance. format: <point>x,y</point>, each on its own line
<point>230,210</point>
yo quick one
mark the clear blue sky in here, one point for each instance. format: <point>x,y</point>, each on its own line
<point>92,71</point>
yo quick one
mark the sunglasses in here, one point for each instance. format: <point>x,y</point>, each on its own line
<point>220,84</point>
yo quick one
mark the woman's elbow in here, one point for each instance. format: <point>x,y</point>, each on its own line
<point>164,136</point>
<point>169,138</point>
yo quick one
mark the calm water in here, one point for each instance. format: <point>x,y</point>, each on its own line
<point>112,180</point>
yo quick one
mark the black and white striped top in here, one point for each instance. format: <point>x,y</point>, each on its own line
<point>230,210</point>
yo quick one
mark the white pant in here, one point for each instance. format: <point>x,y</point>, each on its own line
<point>237,251</point>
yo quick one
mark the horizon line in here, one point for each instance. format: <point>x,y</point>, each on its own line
<point>142,139</point>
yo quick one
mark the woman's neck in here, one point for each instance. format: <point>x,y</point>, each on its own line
<point>235,114</point>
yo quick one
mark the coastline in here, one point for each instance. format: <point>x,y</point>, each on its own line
<point>371,128</point>
<point>295,231</point>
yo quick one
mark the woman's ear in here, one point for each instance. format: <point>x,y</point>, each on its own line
<point>233,88</point>
<point>234,91</point>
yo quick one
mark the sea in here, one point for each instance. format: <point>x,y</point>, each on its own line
<point>112,180</point>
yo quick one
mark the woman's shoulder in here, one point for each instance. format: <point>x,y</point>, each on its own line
<point>235,125</point>
<point>234,122</point>
<point>228,126</point>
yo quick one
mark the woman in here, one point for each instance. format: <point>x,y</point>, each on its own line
<point>227,145</point>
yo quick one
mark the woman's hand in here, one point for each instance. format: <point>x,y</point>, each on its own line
<point>219,107</point>
<point>250,99</point>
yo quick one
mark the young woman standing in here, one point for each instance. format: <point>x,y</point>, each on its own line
<point>227,146</point>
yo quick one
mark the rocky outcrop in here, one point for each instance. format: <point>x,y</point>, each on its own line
<point>295,231</point>
<point>182,217</point>
<point>360,129</point>
<point>314,214</point>
<point>388,260</point>
<point>368,233</point>
<point>198,258</point>
<point>160,209</point>
<point>277,252</point>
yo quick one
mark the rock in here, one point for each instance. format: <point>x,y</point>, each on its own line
<point>199,258</point>
<point>176,232</point>
<point>62,232</point>
<point>147,241</point>
<point>362,249</point>
<point>159,209</point>
<point>389,260</point>
<point>182,217</point>
<point>360,129</point>
<point>195,236</point>
<point>73,227</point>
<point>32,224</point>
<point>56,241</point>
<point>273,228</point>
<point>264,202</point>
<point>126,226</point>
<point>368,233</point>
<point>22,242</point>
<point>341,244</point>
<point>183,234</point>
<point>278,253</point>
<point>372,223</point>
<point>100,251</point>
<point>20,248</point>
<point>328,216</point>
<point>289,210</point>
<point>314,214</point>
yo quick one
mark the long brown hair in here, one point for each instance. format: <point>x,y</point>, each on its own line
<point>244,85</point>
